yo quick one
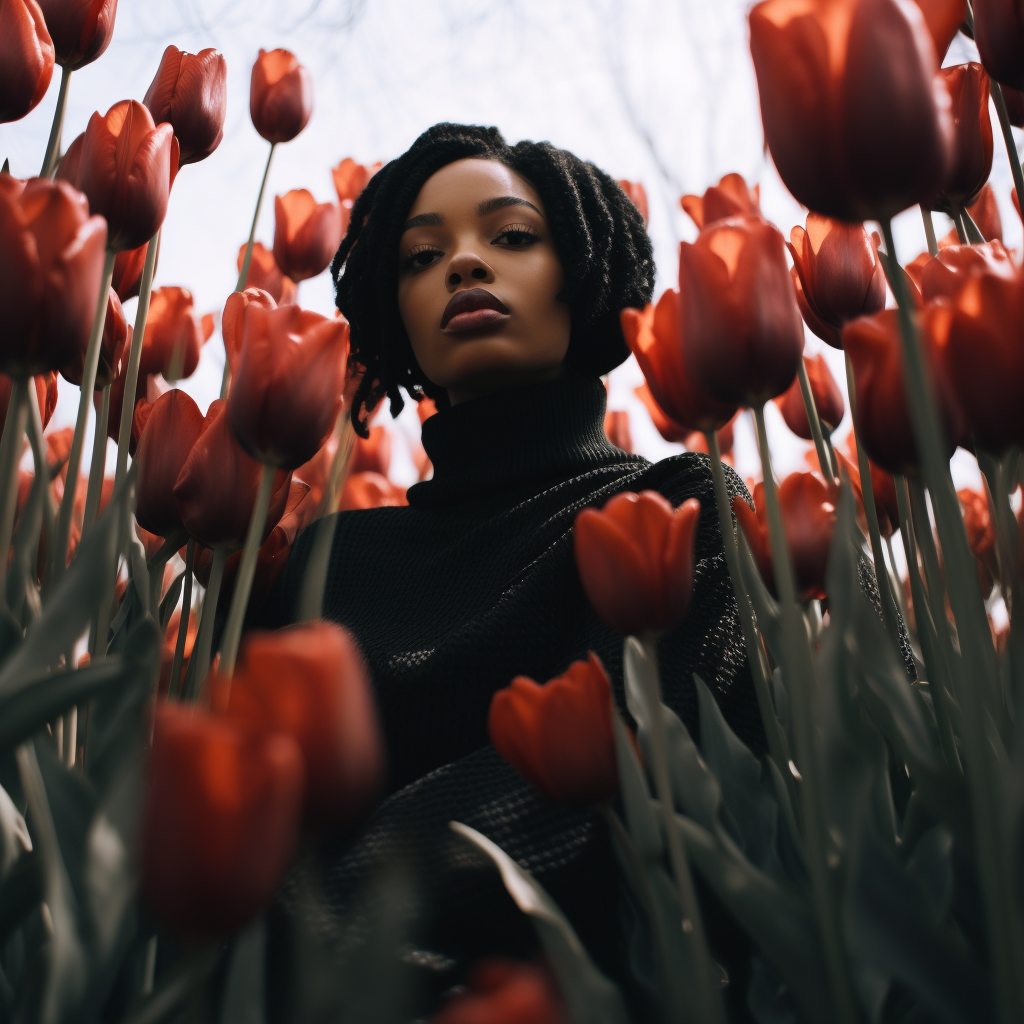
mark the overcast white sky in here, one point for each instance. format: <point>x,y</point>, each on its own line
<point>660,91</point>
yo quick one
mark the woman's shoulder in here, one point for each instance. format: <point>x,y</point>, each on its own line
<point>688,475</point>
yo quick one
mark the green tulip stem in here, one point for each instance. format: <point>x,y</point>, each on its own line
<point>975,673</point>
<point>174,685</point>
<point>204,637</point>
<point>98,465</point>
<point>58,557</point>
<point>929,231</point>
<point>10,455</point>
<point>131,373</point>
<point>971,230</point>
<point>801,688</point>
<point>777,745</point>
<point>828,468</point>
<point>961,231</point>
<point>994,471</point>
<point>52,156</point>
<point>246,572</point>
<point>889,614</point>
<point>1011,147</point>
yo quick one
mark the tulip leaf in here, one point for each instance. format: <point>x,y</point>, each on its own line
<point>170,600</point>
<point>590,997</point>
<point>635,796</point>
<point>766,608</point>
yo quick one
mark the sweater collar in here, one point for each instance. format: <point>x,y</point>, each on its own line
<point>533,434</point>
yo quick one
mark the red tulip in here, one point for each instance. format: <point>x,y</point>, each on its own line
<point>559,735</point>
<point>233,318</point>
<point>306,234</point>
<point>731,197</point>
<point>505,992</point>
<point>999,33</point>
<point>943,18</point>
<point>981,536</point>
<point>190,92</point>
<point>655,335</point>
<point>854,114</point>
<point>742,333</point>
<point>280,95</point>
<point>58,443</point>
<point>46,395</point>
<point>616,428</point>
<point>287,393</point>
<point>81,29</point>
<point>216,489</point>
<point>668,428</point>
<point>115,333</point>
<point>26,58</point>
<point>128,268</point>
<point>350,179</point>
<point>266,275</point>
<point>984,212</point>
<point>883,487</point>
<point>837,273</point>
<point>882,418</point>
<point>174,334</point>
<point>1014,100</point>
<point>635,560</point>
<point>372,454</point>
<point>637,196</point>
<point>946,273</point>
<point>127,166</point>
<point>310,682</point>
<point>828,400</point>
<point>220,822</point>
<point>370,490</point>
<point>52,254</point>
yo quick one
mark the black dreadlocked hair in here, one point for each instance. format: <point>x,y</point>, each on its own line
<point>599,236</point>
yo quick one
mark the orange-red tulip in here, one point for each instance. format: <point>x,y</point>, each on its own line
<point>266,275</point>
<point>742,332</point>
<point>115,333</point>
<point>221,820</point>
<point>616,428</point>
<point>216,489</point>
<point>128,267</point>
<point>306,234</point>
<point>943,18</point>
<point>946,273</point>
<point>280,95</point>
<point>828,400</point>
<point>81,29</point>
<point>505,992</point>
<point>372,454</point>
<point>232,320</point>
<point>637,196</point>
<point>287,393</point>
<point>999,33</point>
<point>190,92</point>
<point>370,490</point>
<point>635,560</point>
<point>311,683</point>
<point>837,274</point>
<point>174,334</point>
<point>350,179</point>
<point>981,536</point>
<point>126,169</point>
<point>46,395</point>
<point>854,113</point>
<point>51,252</point>
<point>559,735</point>
<point>26,58</point>
<point>731,197</point>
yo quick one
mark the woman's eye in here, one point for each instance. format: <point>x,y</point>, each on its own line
<point>516,238</point>
<point>418,259</point>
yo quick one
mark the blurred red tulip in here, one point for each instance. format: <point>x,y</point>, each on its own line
<point>167,648</point>
<point>266,275</point>
<point>984,212</point>
<point>280,95</point>
<point>46,395</point>
<point>999,33</point>
<point>220,822</point>
<point>742,333</point>
<point>174,334</point>
<point>559,735</point>
<point>943,18</point>
<point>946,273</point>
<point>58,447</point>
<point>126,169</point>
<point>731,197</point>
<point>698,442</point>
<point>425,408</point>
<point>854,114</point>
<point>505,992</point>
<point>616,428</point>
<point>668,428</point>
<point>315,473</point>
<point>286,395</point>
<point>115,334</point>
<point>26,58</point>
<point>81,29</point>
<point>837,274</point>
<point>370,490</point>
<point>128,267</point>
<point>635,560</point>
<point>306,234</point>
<point>310,682</point>
<point>372,454</point>
<point>883,487</point>
<point>350,179</point>
<point>216,489</point>
<point>52,254</point>
<point>828,400</point>
<point>637,196</point>
<point>981,536</point>
<point>232,320</point>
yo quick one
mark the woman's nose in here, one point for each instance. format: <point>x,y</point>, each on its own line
<point>467,267</point>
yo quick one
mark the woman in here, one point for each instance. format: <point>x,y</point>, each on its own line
<point>490,279</point>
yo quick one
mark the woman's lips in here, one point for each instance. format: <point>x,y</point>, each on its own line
<point>474,320</point>
<point>464,308</point>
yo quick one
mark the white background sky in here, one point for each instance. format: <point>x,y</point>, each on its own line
<point>659,91</point>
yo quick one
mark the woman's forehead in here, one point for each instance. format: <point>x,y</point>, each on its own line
<point>469,181</point>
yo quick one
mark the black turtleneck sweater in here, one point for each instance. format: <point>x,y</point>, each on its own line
<point>473,584</point>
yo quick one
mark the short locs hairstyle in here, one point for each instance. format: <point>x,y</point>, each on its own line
<point>598,233</point>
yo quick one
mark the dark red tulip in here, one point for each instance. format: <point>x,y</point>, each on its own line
<point>837,274</point>
<point>854,114</point>
<point>505,992</point>
<point>232,320</point>
<point>559,735</point>
<point>1014,100</point>
<point>115,334</point>
<point>26,58</point>
<point>372,454</point>
<point>51,252</point>
<point>265,274</point>
<point>943,18</point>
<point>828,400</point>
<point>310,682</point>
<point>81,29</point>
<point>306,234</point>
<point>174,334</point>
<point>280,95</point>
<point>221,820</point>
<point>126,169</point>
<point>286,395</point>
<point>731,197</point>
<point>635,560</point>
<point>190,92</point>
<point>46,395</point>
<point>946,273</point>
<point>370,490</point>
<point>999,33</point>
<point>128,267</point>
<point>616,428</point>
<point>742,332</point>
<point>637,196</point>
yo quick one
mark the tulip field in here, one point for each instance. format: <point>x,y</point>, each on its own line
<point>169,775</point>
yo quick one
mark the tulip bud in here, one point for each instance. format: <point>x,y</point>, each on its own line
<point>81,30</point>
<point>999,33</point>
<point>854,114</point>
<point>635,560</point>
<point>287,394</point>
<point>232,321</point>
<point>310,682</point>
<point>828,400</point>
<point>115,334</point>
<point>306,234</point>
<point>26,58</point>
<point>52,254</point>
<point>127,166</point>
<point>174,334</point>
<point>943,18</point>
<point>220,822</point>
<point>559,736</point>
<point>265,274</point>
<point>946,273</point>
<point>742,334</point>
<point>190,92</point>
<point>500,991</point>
<point>370,490</point>
<point>280,96</point>
<point>637,195</point>
<point>731,197</point>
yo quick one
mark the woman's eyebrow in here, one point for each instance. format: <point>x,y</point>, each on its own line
<point>501,203</point>
<point>424,220</point>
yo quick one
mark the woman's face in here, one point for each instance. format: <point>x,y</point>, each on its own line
<point>478,282</point>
